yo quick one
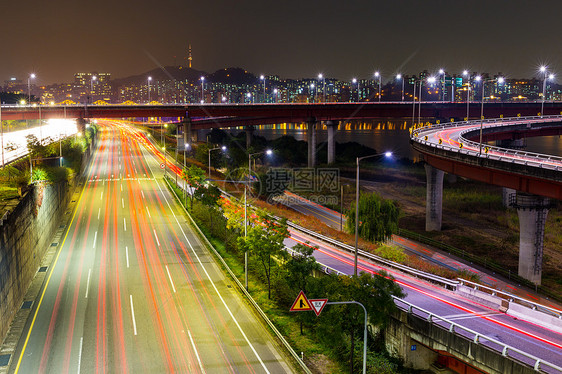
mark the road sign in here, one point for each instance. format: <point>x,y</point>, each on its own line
<point>162,166</point>
<point>301,303</point>
<point>318,305</point>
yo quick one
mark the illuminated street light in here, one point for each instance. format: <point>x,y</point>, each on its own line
<point>31,76</point>
<point>465,74</point>
<point>276,93</point>
<point>399,77</point>
<point>442,81</point>
<point>378,75</point>
<point>249,96</point>
<point>148,81</point>
<point>543,69</point>
<point>202,90</point>
<point>92,87</point>
<point>499,80</point>
<point>387,155</point>
<point>262,77</point>
<point>355,81</point>
<point>223,148</point>
<point>321,77</point>
<point>312,92</point>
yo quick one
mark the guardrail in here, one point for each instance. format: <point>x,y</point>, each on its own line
<point>498,153</point>
<point>241,287</point>
<point>513,298</point>
<point>478,338</point>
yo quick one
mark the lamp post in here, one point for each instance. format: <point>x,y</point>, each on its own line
<point>465,74</point>
<point>92,87</point>
<point>321,77</point>
<point>276,92</point>
<point>262,78</point>
<point>399,77</point>
<point>386,154</point>
<point>249,96</point>
<point>202,90</point>
<point>355,81</point>
<point>268,152</point>
<point>148,81</point>
<point>213,149</point>
<point>543,70</point>
<point>499,80</point>
<point>378,75</point>
<point>312,92</point>
<point>31,76</point>
<point>442,83</point>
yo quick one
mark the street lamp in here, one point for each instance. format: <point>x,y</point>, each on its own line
<point>378,75</point>
<point>262,78</point>
<point>249,96</point>
<point>465,74</point>
<point>92,87</point>
<point>499,80</point>
<point>386,154</point>
<point>268,152</point>
<point>148,80</point>
<point>202,90</point>
<point>276,92</point>
<point>223,148</point>
<point>312,92</point>
<point>31,76</point>
<point>321,77</point>
<point>355,81</point>
<point>399,77</point>
<point>551,77</point>
<point>442,81</point>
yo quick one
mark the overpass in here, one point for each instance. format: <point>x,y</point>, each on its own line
<point>460,149</point>
<point>205,116</point>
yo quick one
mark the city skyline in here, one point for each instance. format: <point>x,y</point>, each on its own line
<point>296,39</point>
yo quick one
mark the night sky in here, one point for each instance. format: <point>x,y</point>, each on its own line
<point>291,38</point>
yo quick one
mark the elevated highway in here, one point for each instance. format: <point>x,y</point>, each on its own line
<point>456,148</point>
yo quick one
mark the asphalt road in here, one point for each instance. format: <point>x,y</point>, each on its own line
<point>133,290</point>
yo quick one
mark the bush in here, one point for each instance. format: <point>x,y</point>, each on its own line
<point>392,253</point>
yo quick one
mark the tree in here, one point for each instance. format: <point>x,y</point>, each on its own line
<point>265,241</point>
<point>300,267</point>
<point>209,195</point>
<point>378,217</point>
<point>194,176</point>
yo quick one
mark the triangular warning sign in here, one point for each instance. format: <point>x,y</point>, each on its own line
<point>318,305</point>
<point>301,304</point>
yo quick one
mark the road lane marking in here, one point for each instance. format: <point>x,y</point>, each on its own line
<point>148,211</point>
<point>95,237</point>
<point>213,283</point>
<point>121,187</point>
<point>156,236</point>
<point>133,315</point>
<point>99,211</point>
<point>124,224</point>
<point>142,193</point>
<point>171,281</point>
<point>196,353</point>
<point>101,197</point>
<point>88,283</point>
<point>127,255</point>
<point>80,354</point>
<point>123,203</point>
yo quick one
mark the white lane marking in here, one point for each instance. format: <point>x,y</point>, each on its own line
<point>212,283</point>
<point>133,315</point>
<point>196,353</point>
<point>80,354</point>
<point>124,224</point>
<point>95,237</point>
<point>88,283</point>
<point>156,236</point>
<point>99,211</point>
<point>101,197</point>
<point>127,255</point>
<point>123,203</point>
<point>142,193</point>
<point>148,211</point>
<point>171,281</point>
<point>121,188</point>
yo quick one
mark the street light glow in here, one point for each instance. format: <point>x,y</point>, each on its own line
<point>398,76</point>
<point>542,69</point>
<point>465,72</point>
<point>320,76</point>
<point>223,147</point>
<point>501,80</point>
<point>441,71</point>
<point>377,74</point>
<point>388,154</point>
<point>262,77</point>
<point>269,152</point>
<point>354,80</point>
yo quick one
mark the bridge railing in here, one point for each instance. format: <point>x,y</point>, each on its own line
<point>492,152</point>
<point>505,350</point>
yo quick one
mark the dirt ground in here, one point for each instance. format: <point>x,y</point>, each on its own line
<point>474,218</point>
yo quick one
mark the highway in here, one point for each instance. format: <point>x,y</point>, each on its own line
<point>132,289</point>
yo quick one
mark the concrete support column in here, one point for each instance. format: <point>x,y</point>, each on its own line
<point>311,139</point>
<point>434,199</point>
<point>187,136</point>
<point>507,194</point>
<point>332,126</point>
<point>532,211</point>
<point>249,136</point>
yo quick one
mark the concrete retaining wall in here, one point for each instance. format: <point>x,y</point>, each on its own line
<point>24,239</point>
<point>481,297</point>
<point>540,318</point>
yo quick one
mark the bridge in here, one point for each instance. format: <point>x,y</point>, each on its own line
<point>460,149</point>
<point>205,116</point>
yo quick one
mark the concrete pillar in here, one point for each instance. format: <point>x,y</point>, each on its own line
<point>249,135</point>
<point>507,194</point>
<point>187,136</point>
<point>434,198</point>
<point>532,211</point>
<point>332,126</point>
<point>311,138</point>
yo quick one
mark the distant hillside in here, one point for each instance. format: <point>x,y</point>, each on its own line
<point>236,76</point>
